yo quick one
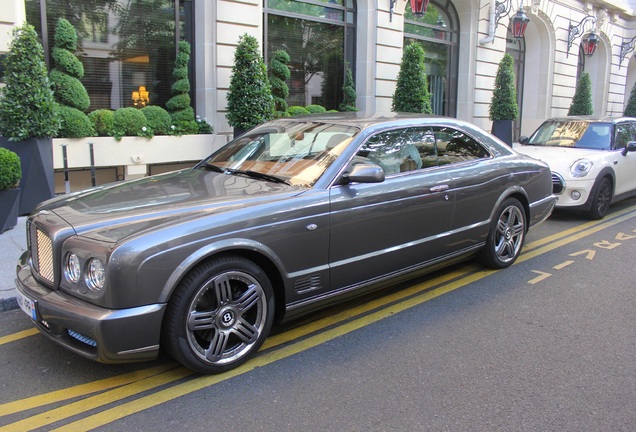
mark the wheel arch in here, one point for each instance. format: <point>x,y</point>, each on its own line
<point>252,251</point>
<point>520,195</point>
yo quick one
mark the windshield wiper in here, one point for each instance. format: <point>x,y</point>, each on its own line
<point>257,175</point>
<point>212,167</point>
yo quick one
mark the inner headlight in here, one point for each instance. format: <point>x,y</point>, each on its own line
<point>581,167</point>
<point>95,274</point>
<point>72,268</point>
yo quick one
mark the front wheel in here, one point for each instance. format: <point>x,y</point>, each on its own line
<point>506,236</point>
<point>602,199</point>
<point>219,315</point>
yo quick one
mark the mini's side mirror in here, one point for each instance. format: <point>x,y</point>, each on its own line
<point>363,173</point>
<point>630,147</point>
<point>524,140</point>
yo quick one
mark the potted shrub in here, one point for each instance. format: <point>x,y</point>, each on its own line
<point>179,104</point>
<point>29,116</point>
<point>630,108</point>
<point>582,100</point>
<point>411,92</point>
<point>249,100</point>
<point>10,175</point>
<point>503,106</point>
<point>280,73</point>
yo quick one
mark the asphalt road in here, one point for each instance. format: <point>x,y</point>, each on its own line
<point>546,345</point>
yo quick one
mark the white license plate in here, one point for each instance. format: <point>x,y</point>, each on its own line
<point>27,305</point>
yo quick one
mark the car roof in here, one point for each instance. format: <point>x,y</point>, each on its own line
<point>593,118</point>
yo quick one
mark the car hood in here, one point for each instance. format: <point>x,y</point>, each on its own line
<point>117,210</point>
<point>558,158</point>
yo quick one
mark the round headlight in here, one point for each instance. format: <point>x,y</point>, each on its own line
<point>581,167</point>
<point>95,275</point>
<point>72,268</point>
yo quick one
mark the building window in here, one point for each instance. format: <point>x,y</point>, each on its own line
<point>438,33</point>
<point>319,36</point>
<point>123,44</point>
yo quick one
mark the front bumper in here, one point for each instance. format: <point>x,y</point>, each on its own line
<point>584,189</point>
<point>541,210</point>
<point>104,335</point>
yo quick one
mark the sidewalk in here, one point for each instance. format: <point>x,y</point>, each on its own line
<point>12,244</point>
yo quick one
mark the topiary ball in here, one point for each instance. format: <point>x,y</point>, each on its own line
<point>10,169</point>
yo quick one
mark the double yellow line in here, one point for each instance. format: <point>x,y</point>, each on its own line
<point>177,381</point>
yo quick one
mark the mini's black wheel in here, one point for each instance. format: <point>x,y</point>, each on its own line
<point>219,315</point>
<point>602,199</point>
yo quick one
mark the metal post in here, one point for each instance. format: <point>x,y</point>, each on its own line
<point>67,185</point>
<point>90,145</point>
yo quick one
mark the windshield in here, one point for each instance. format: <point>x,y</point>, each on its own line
<point>573,133</point>
<point>296,153</point>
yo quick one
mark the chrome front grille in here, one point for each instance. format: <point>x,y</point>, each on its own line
<point>558,184</point>
<point>41,253</point>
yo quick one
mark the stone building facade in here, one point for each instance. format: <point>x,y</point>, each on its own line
<point>462,43</point>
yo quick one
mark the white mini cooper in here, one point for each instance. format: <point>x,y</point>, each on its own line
<point>592,159</point>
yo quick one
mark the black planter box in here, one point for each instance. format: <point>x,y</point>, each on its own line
<point>9,204</point>
<point>38,181</point>
<point>502,129</point>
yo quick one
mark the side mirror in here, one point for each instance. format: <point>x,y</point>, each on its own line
<point>363,173</point>
<point>524,140</point>
<point>630,147</point>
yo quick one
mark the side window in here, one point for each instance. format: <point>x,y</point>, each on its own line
<point>625,132</point>
<point>454,146</point>
<point>401,150</point>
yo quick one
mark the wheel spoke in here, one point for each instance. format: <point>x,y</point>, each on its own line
<point>223,289</point>
<point>201,320</point>
<point>245,331</point>
<point>250,297</point>
<point>217,346</point>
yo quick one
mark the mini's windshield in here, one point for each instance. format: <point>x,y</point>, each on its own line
<point>296,153</point>
<point>573,133</point>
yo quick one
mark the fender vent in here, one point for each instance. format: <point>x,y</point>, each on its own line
<point>311,283</point>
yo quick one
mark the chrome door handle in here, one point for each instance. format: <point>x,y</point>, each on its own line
<point>439,188</point>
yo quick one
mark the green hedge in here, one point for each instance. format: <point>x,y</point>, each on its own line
<point>75,124</point>
<point>129,122</point>
<point>158,119</point>
<point>297,110</point>
<point>103,121</point>
<point>10,169</point>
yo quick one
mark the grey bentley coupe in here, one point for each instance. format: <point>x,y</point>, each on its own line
<point>290,217</point>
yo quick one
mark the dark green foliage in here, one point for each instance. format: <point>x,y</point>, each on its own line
<point>203,127</point>
<point>27,105</point>
<point>69,90</point>
<point>179,104</point>
<point>75,124</point>
<point>316,109</point>
<point>65,35</point>
<point>582,100</point>
<point>411,93</point>
<point>348,91</point>
<point>103,121</point>
<point>279,75</point>
<point>159,120</point>
<point>67,61</point>
<point>67,87</point>
<point>129,122</point>
<point>181,86</point>
<point>630,108</point>
<point>503,105</point>
<point>10,169</point>
<point>249,100</point>
<point>297,110</point>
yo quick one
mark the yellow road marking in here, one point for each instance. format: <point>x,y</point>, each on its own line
<point>542,276</point>
<point>563,265</point>
<point>19,335</point>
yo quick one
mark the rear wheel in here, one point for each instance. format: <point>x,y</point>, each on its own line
<point>506,236</point>
<point>220,315</point>
<point>602,199</point>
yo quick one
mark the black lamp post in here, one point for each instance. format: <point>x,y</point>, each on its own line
<point>589,42</point>
<point>519,23</point>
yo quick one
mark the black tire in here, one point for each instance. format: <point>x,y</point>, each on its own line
<point>601,200</point>
<point>506,236</point>
<point>219,315</point>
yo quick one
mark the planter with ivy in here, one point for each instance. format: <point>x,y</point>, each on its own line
<point>10,175</point>
<point>28,116</point>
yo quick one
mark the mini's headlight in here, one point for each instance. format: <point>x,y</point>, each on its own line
<point>72,268</point>
<point>95,274</point>
<point>581,167</point>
